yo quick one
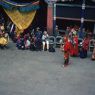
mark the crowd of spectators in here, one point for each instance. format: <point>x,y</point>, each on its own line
<point>37,40</point>
<point>79,41</point>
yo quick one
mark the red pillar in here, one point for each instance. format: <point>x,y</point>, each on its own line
<point>50,19</point>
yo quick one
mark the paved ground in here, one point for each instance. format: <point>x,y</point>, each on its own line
<point>41,73</point>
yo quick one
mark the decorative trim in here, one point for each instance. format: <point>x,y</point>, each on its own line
<point>21,7</point>
<point>20,4</point>
<point>74,5</point>
<point>76,19</point>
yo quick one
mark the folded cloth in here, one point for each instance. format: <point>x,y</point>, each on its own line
<point>3,41</point>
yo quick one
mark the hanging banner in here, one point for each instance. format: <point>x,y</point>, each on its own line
<point>21,20</point>
<point>21,14</point>
<point>22,7</point>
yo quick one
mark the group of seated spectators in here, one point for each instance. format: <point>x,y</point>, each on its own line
<point>35,40</point>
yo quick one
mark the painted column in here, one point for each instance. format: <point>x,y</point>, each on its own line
<point>82,19</point>
<point>50,18</point>
<point>54,19</point>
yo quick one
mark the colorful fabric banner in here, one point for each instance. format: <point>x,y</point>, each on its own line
<point>21,20</point>
<point>22,7</point>
<point>21,14</point>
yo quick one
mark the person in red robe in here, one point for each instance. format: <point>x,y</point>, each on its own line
<point>66,49</point>
<point>85,45</point>
<point>93,54</point>
<point>74,47</point>
<point>75,51</point>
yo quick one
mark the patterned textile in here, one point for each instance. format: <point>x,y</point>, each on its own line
<point>21,14</point>
<point>22,7</point>
<point>3,41</point>
<point>21,20</point>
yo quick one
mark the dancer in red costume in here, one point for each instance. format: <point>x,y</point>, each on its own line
<point>66,49</point>
<point>93,54</point>
<point>85,47</point>
<point>75,45</point>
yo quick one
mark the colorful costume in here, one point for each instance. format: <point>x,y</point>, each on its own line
<point>84,48</point>
<point>75,51</point>
<point>66,50</point>
<point>93,54</point>
<point>74,47</point>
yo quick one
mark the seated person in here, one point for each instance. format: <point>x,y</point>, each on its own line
<point>20,43</point>
<point>27,43</point>
<point>45,40</point>
<point>32,45</point>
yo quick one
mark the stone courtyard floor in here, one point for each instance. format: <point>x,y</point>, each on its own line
<point>41,73</point>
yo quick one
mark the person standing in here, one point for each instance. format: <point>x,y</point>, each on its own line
<point>85,47</point>
<point>67,30</point>
<point>93,54</point>
<point>66,49</point>
<point>38,41</point>
<point>75,45</point>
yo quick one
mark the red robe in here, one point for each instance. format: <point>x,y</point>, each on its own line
<point>66,49</point>
<point>86,44</point>
<point>74,48</point>
<point>93,54</point>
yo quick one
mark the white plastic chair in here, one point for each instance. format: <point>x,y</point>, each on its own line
<point>52,40</point>
<point>59,40</point>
